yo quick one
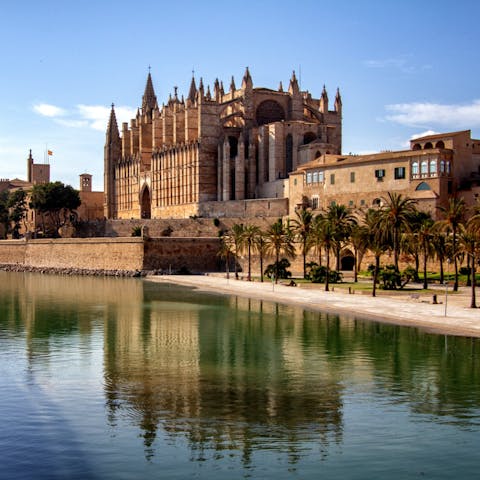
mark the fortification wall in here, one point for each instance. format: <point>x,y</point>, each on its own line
<point>12,252</point>
<point>195,255</point>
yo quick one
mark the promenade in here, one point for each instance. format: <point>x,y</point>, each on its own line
<point>400,308</point>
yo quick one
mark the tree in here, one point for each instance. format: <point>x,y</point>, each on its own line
<point>342,220</point>
<point>4,214</point>
<point>302,226</point>
<point>250,235</point>
<point>17,207</point>
<point>424,233</point>
<point>454,215</point>
<point>56,202</point>
<point>237,238</point>
<point>325,237</point>
<point>358,240</point>
<point>279,240</point>
<point>376,241</point>
<point>395,217</point>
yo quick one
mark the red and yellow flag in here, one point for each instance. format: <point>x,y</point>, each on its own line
<point>49,152</point>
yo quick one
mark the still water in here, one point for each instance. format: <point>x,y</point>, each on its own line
<point>104,378</point>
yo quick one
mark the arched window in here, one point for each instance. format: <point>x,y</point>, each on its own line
<point>440,144</point>
<point>309,137</point>
<point>428,145</point>
<point>415,168</point>
<point>417,146</point>
<point>423,186</point>
<point>433,168</point>
<point>233,146</point>
<point>289,153</point>
<point>269,111</point>
<point>317,154</point>
<point>377,202</point>
<point>424,167</point>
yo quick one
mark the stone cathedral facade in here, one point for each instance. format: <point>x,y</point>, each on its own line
<point>217,149</point>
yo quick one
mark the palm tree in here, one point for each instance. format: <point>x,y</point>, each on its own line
<point>376,240</point>
<point>225,251</point>
<point>469,243</point>
<point>440,248</point>
<point>302,226</point>
<point>325,236</point>
<point>342,220</point>
<point>424,234</point>
<point>250,234</point>
<point>261,247</point>
<point>236,235</point>
<point>454,214</point>
<point>395,217</point>
<point>358,240</point>
<point>279,240</point>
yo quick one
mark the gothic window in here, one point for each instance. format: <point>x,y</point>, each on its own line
<point>233,146</point>
<point>269,111</point>
<point>415,168</point>
<point>424,167</point>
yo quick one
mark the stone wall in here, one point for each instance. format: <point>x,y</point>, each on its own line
<point>127,254</point>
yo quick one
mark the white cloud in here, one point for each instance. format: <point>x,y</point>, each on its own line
<point>427,114</point>
<point>97,115</point>
<point>83,116</point>
<point>423,134</point>
<point>402,63</point>
<point>47,110</point>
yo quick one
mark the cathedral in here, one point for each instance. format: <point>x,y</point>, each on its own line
<point>198,155</point>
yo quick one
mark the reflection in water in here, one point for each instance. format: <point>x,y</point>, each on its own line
<point>233,376</point>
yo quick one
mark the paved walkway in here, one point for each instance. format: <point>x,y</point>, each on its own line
<point>457,318</point>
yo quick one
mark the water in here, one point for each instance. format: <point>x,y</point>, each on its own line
<point>127,379</point>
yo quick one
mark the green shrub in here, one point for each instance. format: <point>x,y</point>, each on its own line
<point>278,269</point>
<point>137,231</point>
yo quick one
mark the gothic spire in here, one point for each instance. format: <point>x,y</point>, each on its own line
<point>193,90</point>
<point>232,85</point>
<point>149,98</point>
<point>113,133</point>
<point>280,87</point>
<point>338,101</point>
<point>293,87</point>
<point>247,80</point>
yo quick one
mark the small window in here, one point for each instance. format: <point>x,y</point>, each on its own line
<point>399,173</point>
<point>333,203</point>
<point>315,202</point>
<point>362,203</point>
<point>294,181</point>
<point>352,177</point>
<point>320,176</point>
<point>379,174</point>
<point>448,167</point>
<point>332,179</point>
<point>442,166</point>
<point>350,203</point>
<point>309,177</point>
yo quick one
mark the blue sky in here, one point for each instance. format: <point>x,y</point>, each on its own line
<point>403,67</point>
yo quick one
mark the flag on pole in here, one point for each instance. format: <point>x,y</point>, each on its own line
<point>49,152</point>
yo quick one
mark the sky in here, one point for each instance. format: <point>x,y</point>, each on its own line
<point>404,68</point>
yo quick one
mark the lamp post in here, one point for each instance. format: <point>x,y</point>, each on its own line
<point>446,285</point>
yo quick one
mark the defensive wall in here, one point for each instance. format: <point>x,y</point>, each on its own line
<point>112,255</point>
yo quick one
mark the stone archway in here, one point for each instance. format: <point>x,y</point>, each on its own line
<point>347,262</point>
<point>145,203</point>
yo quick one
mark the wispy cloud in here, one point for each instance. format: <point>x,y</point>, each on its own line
<point>84,116</point>
<point>47,110</point>
<point>403,63</point>
<point>428,114</point>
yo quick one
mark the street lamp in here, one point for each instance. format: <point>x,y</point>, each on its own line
<point>446,285</point>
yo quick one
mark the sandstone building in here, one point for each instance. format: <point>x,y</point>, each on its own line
<point>432,170</point>
<point>215,150</point>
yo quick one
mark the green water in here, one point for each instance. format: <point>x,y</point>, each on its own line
<point>124,379</point>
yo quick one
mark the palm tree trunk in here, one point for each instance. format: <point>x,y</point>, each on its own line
<point>469,277</point>
<point>375,275</point>
<point>304,257</point>
<point>442,275</point>
<point>425,281</point>
<point>261,264</point>
<point>455,264</point>
<point>473,303</point>
<point>249,276</point>
<point>327,270</point>
<point>355,268</point>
